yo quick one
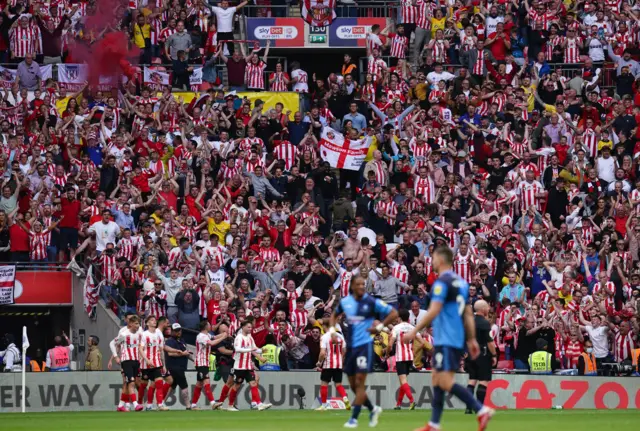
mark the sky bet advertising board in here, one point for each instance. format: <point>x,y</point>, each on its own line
<point>352,32</point>
<point>282,32</point>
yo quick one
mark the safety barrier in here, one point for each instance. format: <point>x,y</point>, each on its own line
<point>92,391</point>
<point>363,9</point>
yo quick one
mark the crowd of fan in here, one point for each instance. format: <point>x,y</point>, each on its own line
<point>224,210</point>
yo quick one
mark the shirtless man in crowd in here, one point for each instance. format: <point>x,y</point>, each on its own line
<point>353,248</point>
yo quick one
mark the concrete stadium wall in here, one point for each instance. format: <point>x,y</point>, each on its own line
<point>85,391</point>
<point>105,326</point>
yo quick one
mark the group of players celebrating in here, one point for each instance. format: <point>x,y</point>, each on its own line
<point>147,359</point>
<point>346,346</point>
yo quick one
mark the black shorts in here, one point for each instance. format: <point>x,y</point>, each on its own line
<point>224,370</point>
<point>202,373</point>
<point>179,379</point>
<point>331,374</point>
<point>480,369</point>
<point>152,374</point>
<point>165,373</point>
<point>130,370</point>
<point>68,238</point>
<point>240,376</point>
<point>403,368</point>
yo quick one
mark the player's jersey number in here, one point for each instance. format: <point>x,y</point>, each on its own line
<point>361,361</point>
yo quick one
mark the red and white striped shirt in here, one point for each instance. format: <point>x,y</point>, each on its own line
<point>129,344</point>
<point>409,12</point>
<point>623,345</point>
<point>478,68</point>
<point>528,193</point>
<point>573,350</point>
<point>572,50</point>
<point>152,307</point>
<point>389,210</point>
<point>286,151</point>
<point>424,11</point>
<point>609,300</point>
<point>399,271</point>
<point>254,75</point>
<point>109,267</point>
<point>38,242</point>
<point>345,280</point>
<point>154,352</point>
<point>279,83</point>
<point>590,140</point>
<point>299,318</point>
<point>333,349</point>
<point>404,351</point>
<point>426,188</point>
<point>399,45</point>
<point>462,265</point>
<point>23,41</point>
<point>203,349</point>
<point>243,346</point>
<point>269,254</point>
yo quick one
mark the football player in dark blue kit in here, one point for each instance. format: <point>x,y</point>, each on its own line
<point>453,323</point>
<point>360,310</point>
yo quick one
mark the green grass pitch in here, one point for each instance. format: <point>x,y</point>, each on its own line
<point>308,420</point>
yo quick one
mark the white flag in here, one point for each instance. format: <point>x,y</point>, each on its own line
<point>72,76</point>
<point>155,79</point>
<point>342,153</point>
<point>196,76</point>
<point>25,339</point>
<point>7,77</point>
<point>47,72</point>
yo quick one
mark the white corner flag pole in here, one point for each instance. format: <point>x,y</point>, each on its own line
<point>25,346</point>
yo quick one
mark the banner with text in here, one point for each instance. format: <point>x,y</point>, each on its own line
<point>91,391</point>
<point>7,284</point>
<point>282,32</point>
<point>73,77</point>
<point>340,152</point>
<point>352,31</point>
<point>156,79</point>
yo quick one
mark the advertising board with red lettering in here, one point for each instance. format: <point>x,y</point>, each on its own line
<point>282,32</point>
<point>352,31</point>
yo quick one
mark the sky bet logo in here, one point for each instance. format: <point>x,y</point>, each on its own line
<point>352,31</point>
<point>276,32</point>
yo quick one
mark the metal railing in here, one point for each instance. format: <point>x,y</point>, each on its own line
<point>38,266</point>
<point>364,9</point>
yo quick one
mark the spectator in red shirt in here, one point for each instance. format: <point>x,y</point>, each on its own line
<point>499,43</point>
<point>19,240</point>
<point>69,208</point>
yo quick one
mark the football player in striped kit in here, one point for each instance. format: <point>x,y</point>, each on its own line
<point>128,343</point>
<point>330,363</point>
<point>152,353</point>
<point>403,356</point>
<point>204,342</point>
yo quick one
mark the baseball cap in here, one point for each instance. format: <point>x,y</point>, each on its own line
<point>176,327</point>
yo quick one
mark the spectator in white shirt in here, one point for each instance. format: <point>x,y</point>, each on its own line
<point>106,231</point>
<point>598,334</point>
<point>415,314</point>
<point>224,19</point>
<point>438,75</point>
